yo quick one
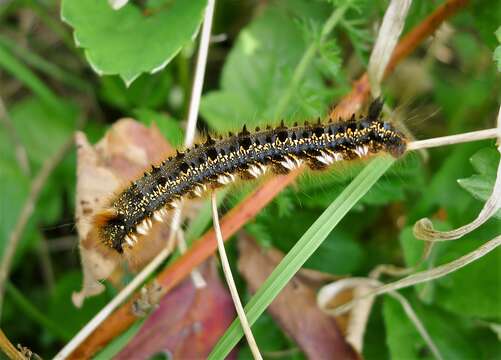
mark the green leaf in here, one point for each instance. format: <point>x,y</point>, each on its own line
<point>259,69</point>
<point>479,280</point>
<point>61,309</point>
<point>304,248</point>
<point>453,336</point>
<point>36,123</point>
<point>128,42</point>
<point>167,125</point>
<point>25,75</point>
<point>42,130</point>
<point>485,161</point>
<point>148,91</point>
<point>339,244</point>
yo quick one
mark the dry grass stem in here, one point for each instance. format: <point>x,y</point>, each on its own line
<point>231,283</point>
<point>454,139</point>
<point>114,303</point>
<point>360,315</point>
<point>357,325</point>
<point>9,349</point>
<point>389,32</point>
<point>29,206</point>
<point>427,275</point>
<point>198,82</point>
<point>411,314</point>
<point>196,275</point>
<point>423,229</point>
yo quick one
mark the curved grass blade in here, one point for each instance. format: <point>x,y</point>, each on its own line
<point>303,249</point>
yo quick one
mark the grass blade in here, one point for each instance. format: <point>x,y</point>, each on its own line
<point>303,249</point>
<point>10,64</point>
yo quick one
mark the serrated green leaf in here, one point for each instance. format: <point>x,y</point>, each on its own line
<point>127,42</point>
<point>257,72</point>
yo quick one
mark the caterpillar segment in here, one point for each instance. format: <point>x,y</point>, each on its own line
<point>246,155</point>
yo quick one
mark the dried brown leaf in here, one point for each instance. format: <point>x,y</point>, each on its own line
<point>295,308</point>
<point>188,321</point>
<point>120,156</point>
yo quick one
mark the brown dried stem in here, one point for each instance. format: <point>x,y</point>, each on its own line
<point>9,349</point>
<point>171,276</point>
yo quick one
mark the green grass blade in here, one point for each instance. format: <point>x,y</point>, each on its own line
<point>303,249</point>
<point>39,63</point>
<point>25,75</point>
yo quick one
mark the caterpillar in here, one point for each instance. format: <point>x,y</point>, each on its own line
<point>131,213</point>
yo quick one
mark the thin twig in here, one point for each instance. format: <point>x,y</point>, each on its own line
<point>46,263</point>
<point>9,349</point>
<point>27,210</point>
<point>389,32</point>
<point>357,328</point>
<point>231,283</point>
<point>387,38</point>
<point>425,276</point>
<point>411,314</point>
<point>191,126</point>
<point>176,218</point>
<point>196,276</point>
<point>198,82</point>
<point>454,139</point>
<point>423,229</point>
<point>114,303</point>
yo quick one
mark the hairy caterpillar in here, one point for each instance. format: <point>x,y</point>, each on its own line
<point>215,163</point>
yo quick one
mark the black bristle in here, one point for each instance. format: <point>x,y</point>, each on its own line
<point>209,140</point>
<point>244,131</point>
<point>375,108</point>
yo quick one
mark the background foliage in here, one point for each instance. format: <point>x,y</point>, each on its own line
<point>449,86</point>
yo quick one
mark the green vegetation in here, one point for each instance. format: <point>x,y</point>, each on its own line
<point>289,60</point>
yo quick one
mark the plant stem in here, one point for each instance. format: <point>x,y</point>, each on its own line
<point>425,276</point>
<point>305,61</point>
<point>231,283</point>
<point>9,349</point>
<point>455,139</point>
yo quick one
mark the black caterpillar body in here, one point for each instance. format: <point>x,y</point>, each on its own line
<point>246,155</point>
